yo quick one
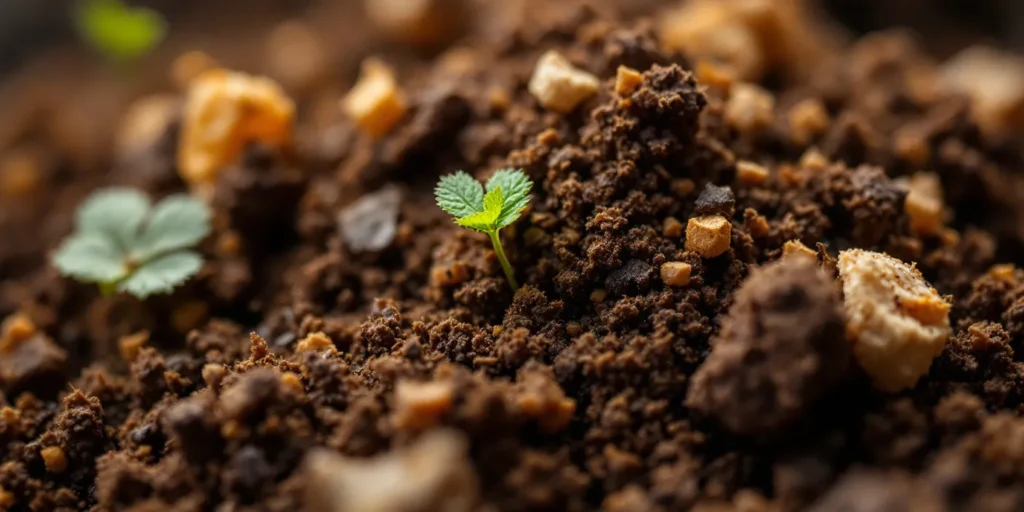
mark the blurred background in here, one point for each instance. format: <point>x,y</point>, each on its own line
<point>30,26</point>
<point>54,86</point>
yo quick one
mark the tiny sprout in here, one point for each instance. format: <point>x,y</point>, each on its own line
<point>124,244</point>
<point>508,193</point>
<point>120,32</point>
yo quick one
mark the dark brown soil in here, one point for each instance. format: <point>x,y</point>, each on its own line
<point>297,373</point>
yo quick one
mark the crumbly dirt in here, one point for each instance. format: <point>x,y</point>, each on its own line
<point>781,346</point>
<point>302,355</point>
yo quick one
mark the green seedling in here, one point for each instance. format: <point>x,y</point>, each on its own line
<point>508,193</point>
<point>125,245</point>
<point>120,32</point>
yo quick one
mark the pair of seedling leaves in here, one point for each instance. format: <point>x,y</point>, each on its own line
<point>125,244</point>
<point>508,193</point>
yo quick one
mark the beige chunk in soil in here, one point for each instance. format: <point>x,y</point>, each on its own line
<point>28,356</point>
<point>376,104</point>
<point>54,459</point>
<point>807,119</point>
<point>813,160</point>
<point>709,236</point>
<point>756,224</point>
<point>293,383</point>
<point>14,330</point>
<point>717,31</point>
<point>750,36</point>
<point>316,342</point>
<point>911,145</point>
<point>627,80</point>
<point>130,345</point>
<point>896,321</point>
<point>432,475</point>
<point>676,273</point>
<point>751,173</point>
<point>421,404</point>
<point>224,111</point>
<point>715,76</point>
<point>671,227</point>
<point>749,108</point>
<point>449,275</point>
<point>538,396</point>
<point>924,203</point>
<point>995,82</point>
<point>559,86</point>
<point>797,248</point>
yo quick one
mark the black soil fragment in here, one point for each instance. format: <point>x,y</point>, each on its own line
<point>715,200</point>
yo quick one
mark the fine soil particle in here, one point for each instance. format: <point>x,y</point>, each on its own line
<point>680,341</point>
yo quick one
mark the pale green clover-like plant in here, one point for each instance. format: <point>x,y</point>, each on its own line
<point>120,32</point>
<point>125,244</point>
<point>507,194</point>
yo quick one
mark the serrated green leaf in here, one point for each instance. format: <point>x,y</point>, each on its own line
<point>90,257</point>
<point>459,195</point>
<point>484,221</point>
<point>516,187</point>
<point>121,32</point>
<point>162,274</point>
<point>177,222</point>
<point>493,201</point>
<point>115,213</point>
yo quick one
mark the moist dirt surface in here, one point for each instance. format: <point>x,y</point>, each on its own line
<point>346,347</point>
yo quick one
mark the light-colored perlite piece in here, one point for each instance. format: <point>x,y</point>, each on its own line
<point>627,80</point>
<point>749,108</point>
<point>796,248</point>
<point>924,203</point>
<point>676,273</point>
<point>376,104</point>
<point>897,323</point>
<point>432,474</point>
<point>559,86</point>
<point>708,236</point>
<point>224,111</point>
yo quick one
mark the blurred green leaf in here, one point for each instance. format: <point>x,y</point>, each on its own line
<point>90,257</point>
<point>177,222</point>
<point>124,244</point>
<point>121,32</point>
<point>115,213</point>
<point>162,274</point>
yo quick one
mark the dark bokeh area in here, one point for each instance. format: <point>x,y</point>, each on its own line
<point>945,25</point>
<point>29,26</point>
